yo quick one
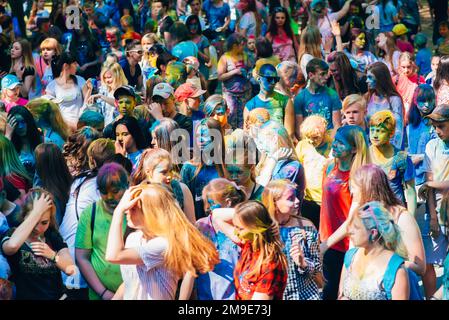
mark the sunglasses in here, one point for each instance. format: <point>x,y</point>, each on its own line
<point>271,79</point>
<point>138,51</point>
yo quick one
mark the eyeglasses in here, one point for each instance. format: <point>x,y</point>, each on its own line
<point>138,51</point>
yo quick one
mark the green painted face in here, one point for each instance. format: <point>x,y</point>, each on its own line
<point>126,105</point>
<point>379,136</point>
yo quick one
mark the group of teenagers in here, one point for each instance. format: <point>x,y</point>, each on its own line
<point>194,151</point>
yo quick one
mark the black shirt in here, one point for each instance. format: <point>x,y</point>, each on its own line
<point>132,80</point>
<point>36,277</point>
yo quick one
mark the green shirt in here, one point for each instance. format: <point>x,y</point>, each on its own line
<point>108,273</point>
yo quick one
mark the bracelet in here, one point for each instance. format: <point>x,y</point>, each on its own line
<point>102,294</point>
<point>54,257</point>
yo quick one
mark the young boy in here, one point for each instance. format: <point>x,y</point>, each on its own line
<point>436,164</point>
<point>317,98</point>
<point>443,42</point>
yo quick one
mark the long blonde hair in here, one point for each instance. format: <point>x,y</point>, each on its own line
<point>117,74</point>
<point>263,234</point>
<point>188,250</point>
<point>148,161</point>
<point>273,192</point>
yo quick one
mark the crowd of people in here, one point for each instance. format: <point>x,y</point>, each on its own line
<point>223,150</point>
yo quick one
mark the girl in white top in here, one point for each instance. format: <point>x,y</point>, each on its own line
<point>165,247</point>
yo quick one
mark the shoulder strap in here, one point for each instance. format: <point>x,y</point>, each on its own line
<point>390,274</point>
<point>92,220</point>
<point>349,256</point>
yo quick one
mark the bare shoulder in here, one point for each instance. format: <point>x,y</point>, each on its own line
<point>307,223</point>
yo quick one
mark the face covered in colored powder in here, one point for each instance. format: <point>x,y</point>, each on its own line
<point>360,41</point>
<point>268,81</point>
<point>204,138</point>
<point>239,173</point>
<point>21,128</point>
<point>162,173</point>
<point>341,147</point>
<point>379,135</point>
<point>113,193</point>
<point>371,80</point>
<point>288,203</point>
<point>126,105</point>
<point>220,114</point>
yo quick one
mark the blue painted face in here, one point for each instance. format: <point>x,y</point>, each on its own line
<point>212,204</point>
<point>268,81</point>
<point>204,138</point>
<point>340,147</point>
<point>371,81</point>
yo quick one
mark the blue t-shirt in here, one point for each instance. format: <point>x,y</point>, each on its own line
<point>417,141</point>
<point>135,158</point>
<point>386,15</point>
<point>423,58</point>
<point>197,184</point>
<point>185,49</point>
<point>275,106</point>
<point>323,102</point>
<point>216,15</point>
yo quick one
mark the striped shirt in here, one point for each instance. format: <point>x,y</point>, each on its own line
<point>151,280</point>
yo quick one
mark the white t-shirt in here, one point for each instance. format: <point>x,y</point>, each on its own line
<point>72,99</point>
<point>88,194</point>
<point>151,280</point>
<point>248,22</point>
<point>324,24</point>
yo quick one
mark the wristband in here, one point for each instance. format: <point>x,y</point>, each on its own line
<point>102,294</point>
<point>54,257</point>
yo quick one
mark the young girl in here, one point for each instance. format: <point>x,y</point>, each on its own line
<point>397,164</point>
<point>129,140</point>
<point>374,268</point>
<point>22,65</point>
<point>285,44</point>
<point>300,238</point>
<point>218,284</point>
<point>388,52</point>
<point>164,247</point>
<point>36,252</point>
<point>25,136</point>
<point>10,94</point>
<point>233,68</point>
<point>359,49</point>
<point>208,162</point>
<point>309,47</point>
<point>156,167</point>
<point>49,119</point>
<point>261,272</point>
<point>49,48</point>
<point>382,95</point>
<point>350,151</point>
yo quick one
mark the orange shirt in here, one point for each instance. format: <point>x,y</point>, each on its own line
<point>335,205</point>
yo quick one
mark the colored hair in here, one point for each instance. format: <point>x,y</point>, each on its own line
<point>310,43</point>
<point>356,138</point>
<point>112,175</point>
<point>375,216</point>
<point>53,172</point>
<point>222,190</point>
<point>10,162</point>
<point>258,116</point>
<point>118,76</point>
<point>33,136</point>
<point>423,92</point>
<point>288,69</point>
<point>49,111</point>
<point>264,235</point>
<point>188,250</point>
<point>27,206</point>
<point>148,162</point>
<point>100,150</point>
<point>51,43</point>
<point>75,150</point>
<point>313,125</point>
<point>384,119</point>
<point>92,119</point>
<point>212,103</point>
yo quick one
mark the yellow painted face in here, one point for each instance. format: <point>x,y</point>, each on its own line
<point>360,41</point>
<point>126,105</point>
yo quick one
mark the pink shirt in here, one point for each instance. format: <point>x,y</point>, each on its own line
<point>20,102</point>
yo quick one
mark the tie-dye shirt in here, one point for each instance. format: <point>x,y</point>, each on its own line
<point>275,106</point>
<point>324,102</point>
<point>219,283</point>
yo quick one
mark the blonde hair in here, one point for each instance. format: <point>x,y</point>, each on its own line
<point>148,161</point>
<point>258,117</point>
<point>313,125</point>
<point>118,76</point>
<point>188,250</point>
<point>222,190</point>
<point>28,203</point>
<point>263,233</point>
<point>3,122</point>
<point>407,56</point>
<point>354,99</point>
<point>273,192</point>
<point>385,119</point>
<point>51,43</point>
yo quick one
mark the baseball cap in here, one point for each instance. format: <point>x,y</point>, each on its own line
<point>124,91</point>
<point>399,29</point>
<point>440,113</point>
<point>163,90</point>
<point>188,90</point>
<point>10,81</point>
